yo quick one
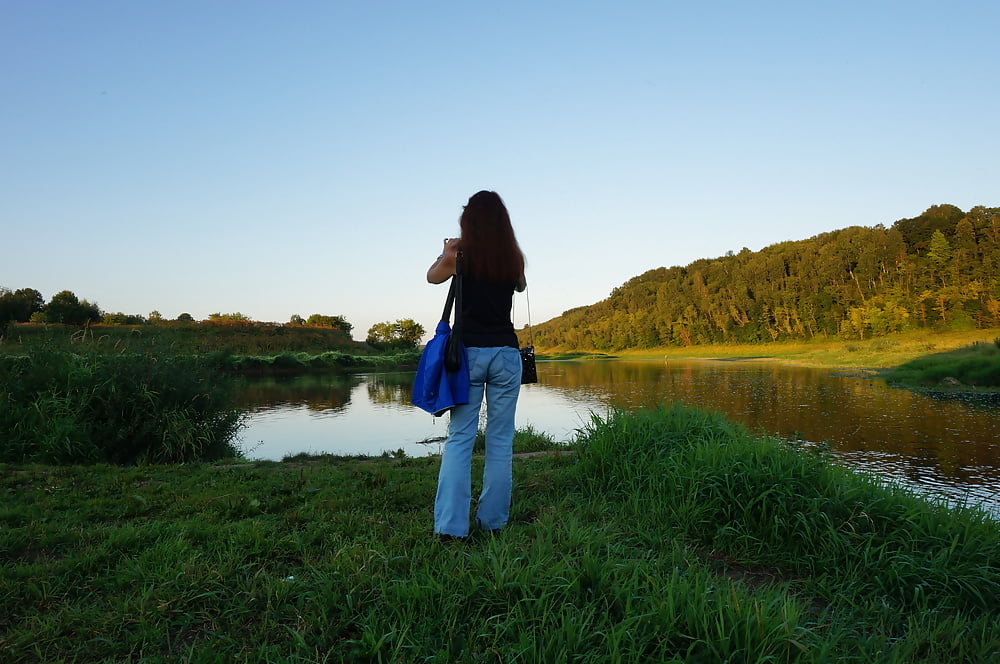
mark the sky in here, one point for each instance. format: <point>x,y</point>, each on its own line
<point>308,157</point>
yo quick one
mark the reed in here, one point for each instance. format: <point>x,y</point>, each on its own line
<point>131,399</point>
<point>61,407</point>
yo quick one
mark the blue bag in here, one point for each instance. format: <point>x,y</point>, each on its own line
<point>442,379</point>
<point>435,389</point>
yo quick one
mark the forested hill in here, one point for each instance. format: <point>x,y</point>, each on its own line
<point>939,270</point>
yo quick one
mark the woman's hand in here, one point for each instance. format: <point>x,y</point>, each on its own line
<point>444,267</point>
<point>450,247</point>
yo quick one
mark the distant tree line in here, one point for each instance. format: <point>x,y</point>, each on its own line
<point>940,270</point>
<point>27,305</point>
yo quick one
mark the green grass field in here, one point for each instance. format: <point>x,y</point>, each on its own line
<point>975,367</point>
<point>878,353</point>
<point>666,535</point>
<point>194,338</point>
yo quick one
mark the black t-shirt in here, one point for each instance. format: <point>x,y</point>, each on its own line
<point>486,313</point>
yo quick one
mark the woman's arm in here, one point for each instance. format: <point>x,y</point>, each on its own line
<point>444,267</point>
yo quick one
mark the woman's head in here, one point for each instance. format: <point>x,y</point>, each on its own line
<point>488,239</point>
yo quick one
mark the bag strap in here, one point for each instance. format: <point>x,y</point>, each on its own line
<point>527,305</point>
<point>446,314</point>
<point>454,294</point>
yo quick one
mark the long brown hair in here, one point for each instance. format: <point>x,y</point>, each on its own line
<point>488,243</point>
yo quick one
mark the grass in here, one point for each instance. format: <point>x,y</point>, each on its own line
<point>240,347</point>
<point>671,535</point>
<point>881,352</point>
<point>575,355</point>
<point>976,366</point>
<point>139,401</point>
<point>63,407</point>
<point>193,338</point>
<point>289,362</point>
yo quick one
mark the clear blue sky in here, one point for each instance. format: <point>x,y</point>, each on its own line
<point>280,158</point>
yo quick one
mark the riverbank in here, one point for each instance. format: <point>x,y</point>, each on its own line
<point>669,535</point>
<point>973,368</point>
<point>873,354</point>
<point>150,404</point>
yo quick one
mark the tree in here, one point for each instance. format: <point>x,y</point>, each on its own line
<point>296,320</point>
<point>380,335</point>
<point>122,319</point>
<point>405,333</point>
<point>938,268</point>
<point>337,322</point>
<point>19,305</point>
<point>235,317</point>
<point>185,318</point>
<point>62,307</point>
<point>940,249</point>
<point>409,332</point>
<point>66,308</point>
<point>917,231</point>
<point>7,306</point>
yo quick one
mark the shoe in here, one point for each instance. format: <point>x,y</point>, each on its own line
<point>452,538</point>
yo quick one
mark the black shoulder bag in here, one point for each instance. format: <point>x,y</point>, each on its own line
<point>528,372</point>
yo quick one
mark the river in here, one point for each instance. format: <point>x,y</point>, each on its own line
<point>944,446</point>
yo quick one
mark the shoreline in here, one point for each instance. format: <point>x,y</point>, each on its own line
<point>870,355</point>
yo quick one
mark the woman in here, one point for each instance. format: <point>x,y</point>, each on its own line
<point>492,269</point>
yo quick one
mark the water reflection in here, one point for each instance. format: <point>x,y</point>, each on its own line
<point>323,393</point>
<point>946,445</point>
<point>390,389</point>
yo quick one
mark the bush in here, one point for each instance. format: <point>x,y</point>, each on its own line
<point>61,407</point>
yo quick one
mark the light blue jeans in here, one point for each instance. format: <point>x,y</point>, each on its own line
<point>495,373</point>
